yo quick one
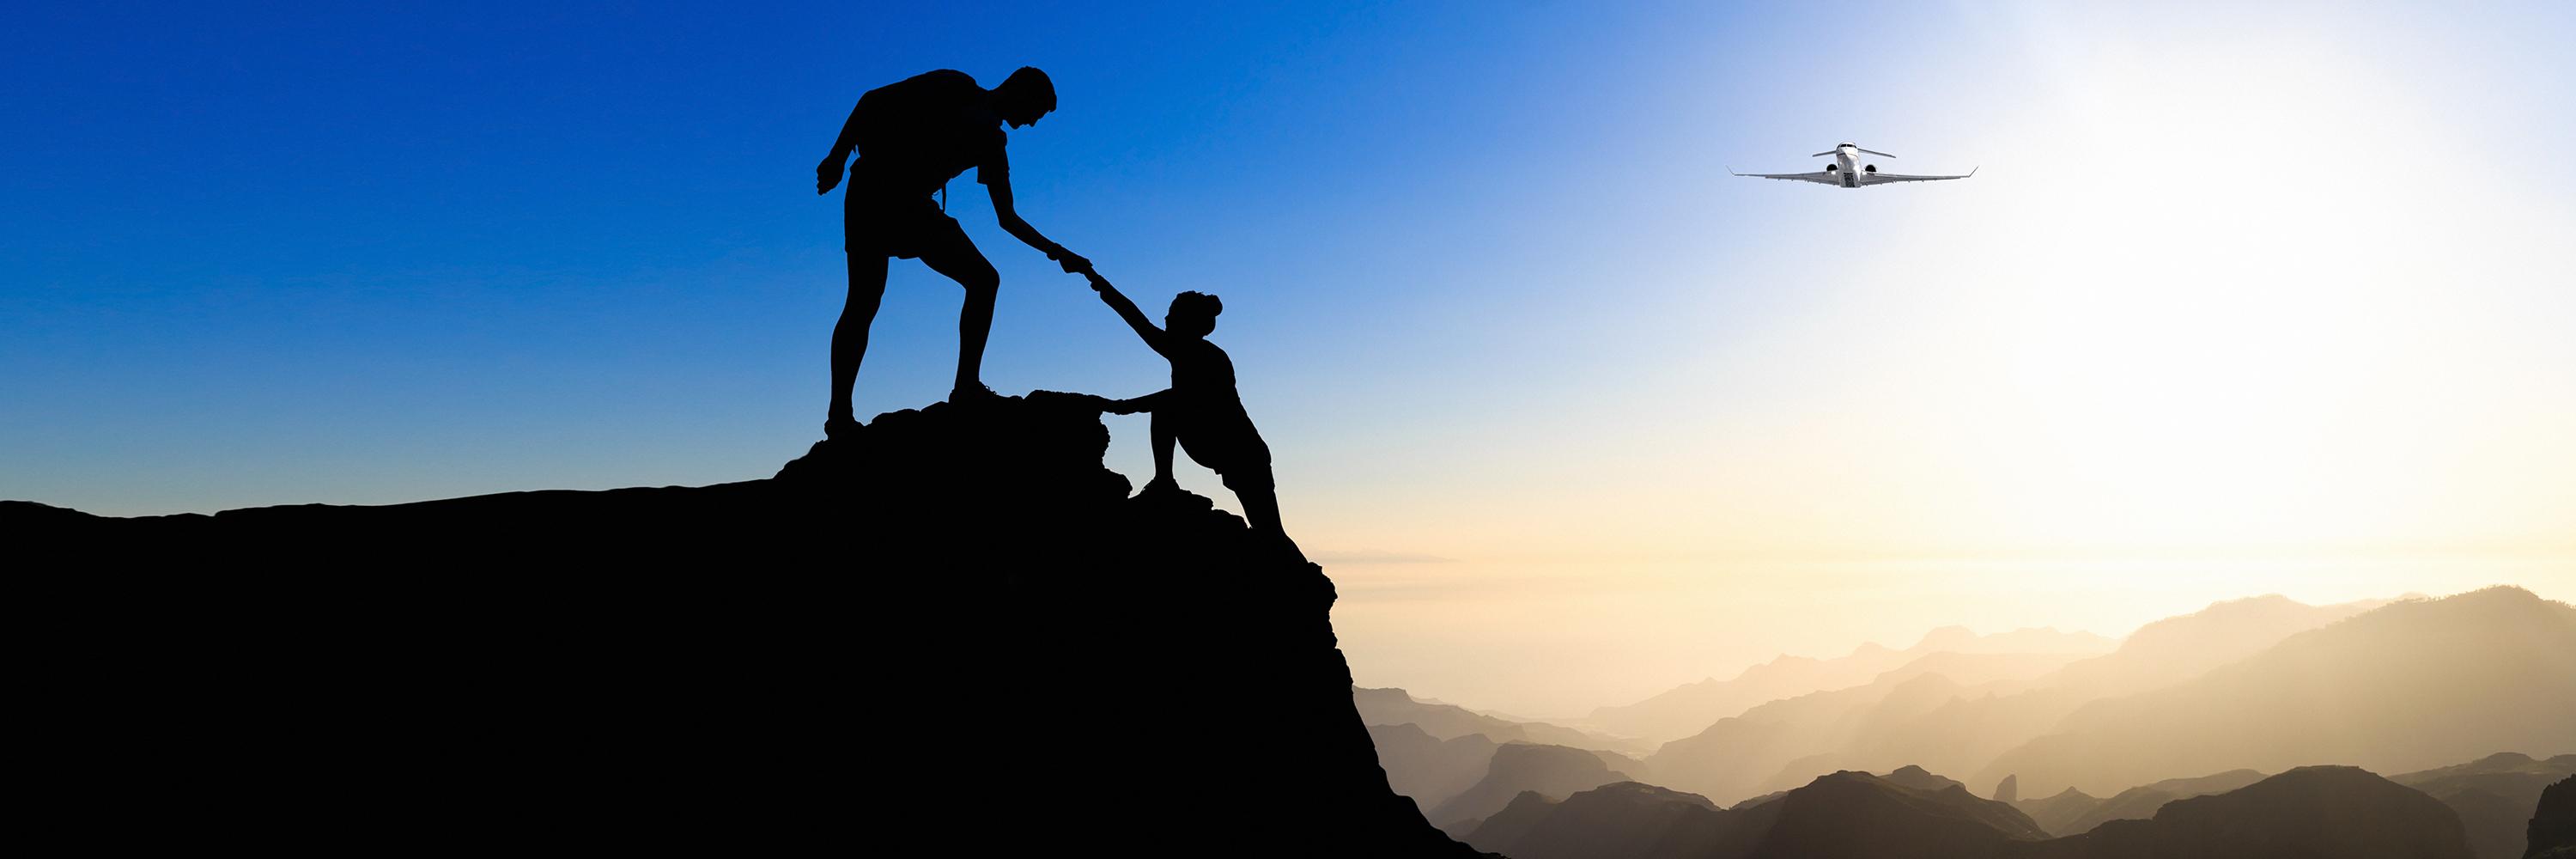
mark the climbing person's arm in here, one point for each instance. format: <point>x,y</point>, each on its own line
<point>1117,301</point>
<point>998,184</point>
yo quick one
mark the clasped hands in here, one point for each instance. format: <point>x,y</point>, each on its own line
<point>1073,263</point>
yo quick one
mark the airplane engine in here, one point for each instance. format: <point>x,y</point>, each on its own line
<point>1873,168</point>
<point>1832,168</point>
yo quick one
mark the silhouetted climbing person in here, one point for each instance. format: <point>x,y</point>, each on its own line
<point>1201,410</point>
<point>912,136</point>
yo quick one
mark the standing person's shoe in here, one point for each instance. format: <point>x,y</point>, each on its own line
<point>841,428</point>
<point>972,394</point>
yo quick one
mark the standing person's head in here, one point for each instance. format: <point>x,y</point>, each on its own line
<point>1024,96</point>
<point>1193,314</point>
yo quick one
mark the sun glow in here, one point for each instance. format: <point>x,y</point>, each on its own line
<point>2208,297</point>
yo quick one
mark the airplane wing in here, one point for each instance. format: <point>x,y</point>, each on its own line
<point>1817,176</point>
<point>1868,179</point>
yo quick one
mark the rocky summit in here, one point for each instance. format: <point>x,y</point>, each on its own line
<point>934,631</point>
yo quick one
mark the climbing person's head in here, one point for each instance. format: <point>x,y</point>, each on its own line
<point>1193,314</point>
<point>1024,96</point>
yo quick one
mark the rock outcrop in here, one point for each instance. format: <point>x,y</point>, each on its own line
<point>2552,831</point>
<point>929,632</point>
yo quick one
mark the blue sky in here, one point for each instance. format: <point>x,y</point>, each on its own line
<point>2284,283</point>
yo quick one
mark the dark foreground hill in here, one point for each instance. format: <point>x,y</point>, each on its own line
<point>921,634</point>
<point>2308,813</point>
<point>2320,812</point>
<point>2553,824</point>
<point>2493,795</point>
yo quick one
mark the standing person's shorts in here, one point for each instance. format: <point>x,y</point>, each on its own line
<point>903,226</point>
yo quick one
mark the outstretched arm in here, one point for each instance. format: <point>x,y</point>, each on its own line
<point>1117,301</point>
<point>1007,213</point>
<point>828,174</point>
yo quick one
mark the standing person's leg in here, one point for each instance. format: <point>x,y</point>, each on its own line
<point>850,335</point>
<point>949,252</point>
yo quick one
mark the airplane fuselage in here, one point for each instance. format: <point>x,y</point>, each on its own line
<point>1848,171</point>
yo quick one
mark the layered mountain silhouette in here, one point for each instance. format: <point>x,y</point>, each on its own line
<point>1849,814</point>
<point>1690,709</point>
<point>1517,768</point>
<point>2057,813</point>
<point>2323,811</point>
<point>2410,685</point>
<point>1996,701</point>
<point>1974,714</point>
<point>2308,812</point>
<point>1428,769</point>
<point>2142,802</point>
<point>2494,796</point>
<point>1447,721</point>
<point>715,669</point>
<point>1786,743</point>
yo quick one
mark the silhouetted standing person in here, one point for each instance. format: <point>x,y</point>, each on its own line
<point>913,136</point>
<point>1201,411</point>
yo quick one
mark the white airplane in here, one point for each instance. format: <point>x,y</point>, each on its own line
<point>1848,172</point>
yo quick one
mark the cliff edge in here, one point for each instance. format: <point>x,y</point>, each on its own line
<point>938,631</point>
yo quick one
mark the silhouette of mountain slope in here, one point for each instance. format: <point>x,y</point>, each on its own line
<point>1784,744</point>
<point>1552,771</point>
<point>1690,709</point>
<point>2055,813</point>
<point>2325,811</point>
<point>2553,823</point>
<point>2184,646</point>
<point>710,669</point>
<point>1429,769</point>
<point>1970,731</point>
<point>1620,820</point>
<point>1448,721</point>
<point>2406,686</point>
<point>2142,802</point>
<point>2318,812</point>
<point>2001,701</point>
<point>2493,795</point>
<point>1856,814</point>
<point>1847,814</point>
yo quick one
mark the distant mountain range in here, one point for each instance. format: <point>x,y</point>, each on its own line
<point>1428,769</point>
<point>1974,714</point>
<point>1519,768</point>
<point>2157,748</point>
<point>2068,816</point>
<point>1690,709</point>
<point>1911,814</point>
<point>2410,685</point>
<point>1448,721</point>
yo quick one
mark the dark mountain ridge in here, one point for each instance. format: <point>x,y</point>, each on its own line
<point>2493,795</point>
<point>713,669</point>
<point>2307,813</point>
